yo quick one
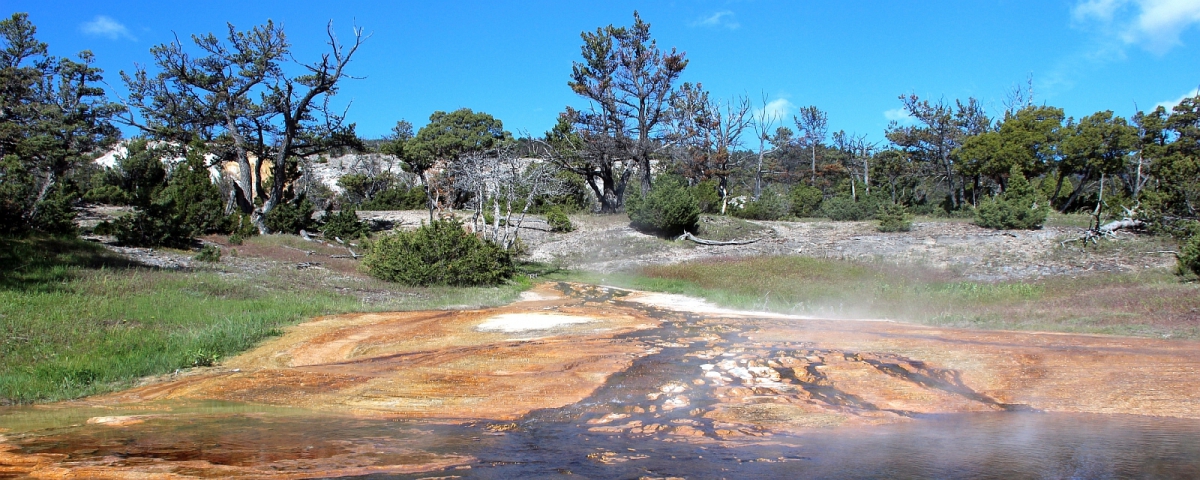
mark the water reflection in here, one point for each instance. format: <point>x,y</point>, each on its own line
<point>989,445</point>
<point>249,439</point>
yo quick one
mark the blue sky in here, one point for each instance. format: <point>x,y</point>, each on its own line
<point>852,59</point>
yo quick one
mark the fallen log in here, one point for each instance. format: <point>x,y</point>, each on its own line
<point>352,254</point>
<point>1115,225</point>
<point>1108,230</point>
<point>701,241</point>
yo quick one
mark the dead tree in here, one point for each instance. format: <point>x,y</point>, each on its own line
<point>629,81</point>
<point>707,132</point>
<point>814,123</point>
<point>762,122</point>
<point>509,185</point>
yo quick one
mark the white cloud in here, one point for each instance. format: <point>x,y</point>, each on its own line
<point>105,26</point>
<point>898,115</point>
<point>1153,24</point>
<point>1096,9</point>
<point>779,109</point>
<point>722,19</point>
<point>1169,104</point>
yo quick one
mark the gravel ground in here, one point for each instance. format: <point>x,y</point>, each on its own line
<point>609,245</point>
<point>606,243</point>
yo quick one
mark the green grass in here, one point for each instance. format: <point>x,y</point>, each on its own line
<point>727,228</point>
<point>78,320</point>
<point>1145,304</point>
<point>1078,220</point>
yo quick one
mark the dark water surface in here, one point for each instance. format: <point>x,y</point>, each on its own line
<point>992,445</point>
<point>988,445</point>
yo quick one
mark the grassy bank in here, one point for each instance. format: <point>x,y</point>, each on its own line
<point>77,319</point>
<point>1147,304</point>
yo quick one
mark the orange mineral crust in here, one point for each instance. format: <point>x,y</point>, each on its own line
<point>417,391</point>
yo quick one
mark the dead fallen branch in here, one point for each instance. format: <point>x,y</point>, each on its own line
<point>351,255</point>
<point>701,241</point>
<point>1107,230</point>
<point>306,252</point>
<point>1115,225</point>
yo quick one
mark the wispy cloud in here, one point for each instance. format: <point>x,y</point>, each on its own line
<point>105,26</point>
<point>1169,104</point>
<point>1155,25</point>
<point>779,109</point>
<point>721,19</point>
<point>898,115</point>
<point>1102,10</point>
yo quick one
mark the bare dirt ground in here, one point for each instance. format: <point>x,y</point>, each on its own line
<point>606,243</point>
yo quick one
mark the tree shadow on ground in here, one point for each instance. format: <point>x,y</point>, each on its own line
<point>38,263</point>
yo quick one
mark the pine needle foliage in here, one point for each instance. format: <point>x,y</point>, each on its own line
<point>1020,207</point>
<point>893,217</point>
<point>669,209</point>
<point>345,225</point>
<point>439,253</point>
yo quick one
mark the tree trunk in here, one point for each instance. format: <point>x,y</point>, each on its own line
<point>1057,189</point>
<point>723,191</point>
<point>646,177</point>
<point>1078,189</point>
<point>1137,186</point>
<point>496,219</point>
<point>867,174</point>
<point>758,172</point>
<point>245,179</point>
<point>814,165</point>
<point>41,196</point>
<point>428,193</point>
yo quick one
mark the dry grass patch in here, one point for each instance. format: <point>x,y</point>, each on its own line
<point>1152,303</point>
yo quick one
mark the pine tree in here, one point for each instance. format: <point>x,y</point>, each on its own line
<point>1020,207</point>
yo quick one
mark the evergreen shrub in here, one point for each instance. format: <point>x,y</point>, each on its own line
<point>558,220</point>
<point>1189,257</point>
<point>708,196</point>
<point>893,217</point>
<point>107,195</point>
<point>1020,207</point>
<point>769,206</point>
<point>438,253</point>
<point>397,198</point>
<point>669,209</point>
<point>805,200</point>
<point>152,226</point>
<point>188,205</point>
<point>1189,252</point>
<point>290,217</point>
<point>345,225</point>
<point>240,227</point>
<point>845,209</point>
<point>208,253</point>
